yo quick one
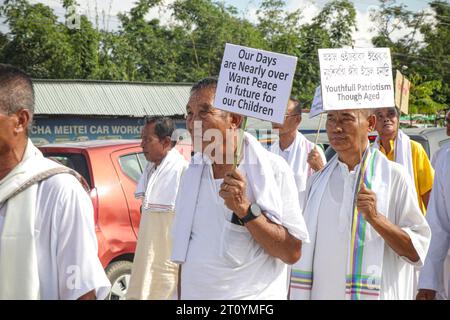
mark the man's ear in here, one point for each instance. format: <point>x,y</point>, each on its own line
<point>372,119</point>
<point>236,120</point>
<point>23,120</point>
<point>167,142</point>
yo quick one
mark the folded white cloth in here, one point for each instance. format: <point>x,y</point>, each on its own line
<point>298,159</point>
<point>402,152</point>
<point>260,179</point>
<point>19,276</point>
<point>158,186</point>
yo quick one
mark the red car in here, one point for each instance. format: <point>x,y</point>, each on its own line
<point>111,168</point>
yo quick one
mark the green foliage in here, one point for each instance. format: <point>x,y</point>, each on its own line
<point>191,46</point>
<point>425,62</point>
<point>338,17</point>
<point>421,100</point>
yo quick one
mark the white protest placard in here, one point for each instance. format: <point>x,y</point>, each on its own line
<point>255,83</point>
<point>356,78</point>
<point>316,105</point>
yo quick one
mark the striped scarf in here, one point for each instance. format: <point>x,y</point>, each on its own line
<point>357,283</point>
<point>366,247</point>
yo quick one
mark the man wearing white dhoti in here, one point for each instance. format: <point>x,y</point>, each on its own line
<point>48,246</point>
<point>434,280</point>
<point>398,147</point>
<point>303,156</point>
<point>365,241</point>
<point>153,275</point>
<point>234,231</point>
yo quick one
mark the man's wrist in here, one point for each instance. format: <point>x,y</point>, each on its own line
<point>374,219</point>
<point>243,210</point>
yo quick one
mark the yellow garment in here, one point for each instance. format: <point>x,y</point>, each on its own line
<point>423,171</point>
<point>153,275</point>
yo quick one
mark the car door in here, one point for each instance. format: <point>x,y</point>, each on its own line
<point>129,169</point>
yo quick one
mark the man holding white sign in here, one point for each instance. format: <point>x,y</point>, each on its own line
<point>366,230</point>
<point>301,154</point>
<point>235,229</point>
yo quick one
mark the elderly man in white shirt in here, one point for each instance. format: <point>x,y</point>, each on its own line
<point>154,276</point>
<point>434,280</point>
<point>303,157</point>
<point>235,230</point>
<point>366,229</point>
<point>48,246</point>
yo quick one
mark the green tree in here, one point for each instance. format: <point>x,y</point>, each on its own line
<point>338,18</point>
<point>331,28</point>
<point>208,26</point>
<point>149,46</point>
<point>426,61</point>
<point>37,43</point>
<point>421,96</point>
<point>436,52</point>
<point>46,48</point>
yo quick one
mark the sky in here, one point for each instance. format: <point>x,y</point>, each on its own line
<point>108,10</point>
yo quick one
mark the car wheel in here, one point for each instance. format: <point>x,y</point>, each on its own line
<point>119,274</point>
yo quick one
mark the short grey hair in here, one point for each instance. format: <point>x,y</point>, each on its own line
<point>16,90</point>
<point>297,105</point>
<point>164,127</point>
<point>208,83</point>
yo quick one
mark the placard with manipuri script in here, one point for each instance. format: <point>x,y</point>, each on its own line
<point>356,78</point>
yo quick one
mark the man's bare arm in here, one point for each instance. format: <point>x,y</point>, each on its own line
<point>88,296</point>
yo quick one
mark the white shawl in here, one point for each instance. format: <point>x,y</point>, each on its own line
<point>402,152</point>
<point>158,186</point>
<point>19,277</point>
<point>298,159</point>
<point>260,179</point>
<point>364,273</point>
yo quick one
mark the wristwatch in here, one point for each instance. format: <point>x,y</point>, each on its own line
<point>254,211</point>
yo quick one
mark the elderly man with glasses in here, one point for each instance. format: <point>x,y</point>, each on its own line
<point>303,156</point>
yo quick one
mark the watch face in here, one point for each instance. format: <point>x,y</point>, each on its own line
<point>255,209</point>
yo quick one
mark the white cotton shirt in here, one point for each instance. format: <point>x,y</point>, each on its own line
<point>223,260</point>
<point>66,244</point>
<point>219,250</point>
<point>331,253</point>
<point>337,205</point>
<point>437,154</point>
<point>286,153</point>
<point>433,275</point>
<point>296,155</point>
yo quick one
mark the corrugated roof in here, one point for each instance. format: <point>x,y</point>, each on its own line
<point>112,98</point>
